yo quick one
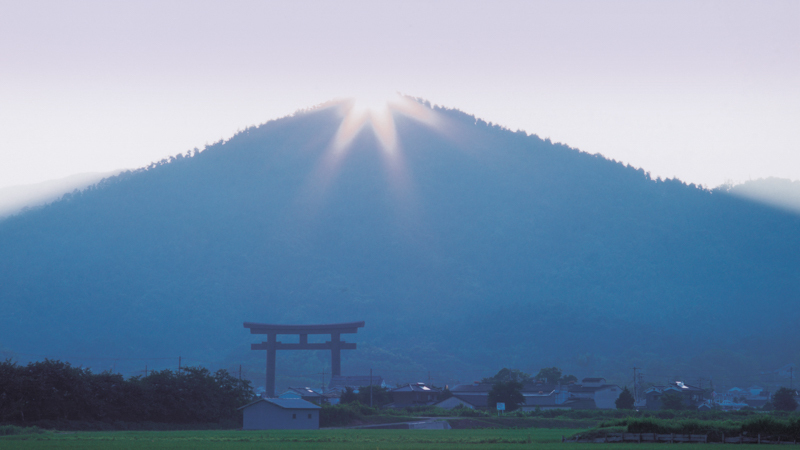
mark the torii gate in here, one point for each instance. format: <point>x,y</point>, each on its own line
<point>335,345</point>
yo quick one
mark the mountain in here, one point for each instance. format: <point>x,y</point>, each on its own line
<point>465,247</point>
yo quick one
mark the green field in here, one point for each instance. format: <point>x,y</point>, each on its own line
<point>539,438</point>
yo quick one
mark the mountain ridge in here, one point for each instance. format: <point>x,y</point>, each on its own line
<point>484,248</point>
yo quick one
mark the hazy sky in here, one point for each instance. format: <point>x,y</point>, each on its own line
<point>707,91</point>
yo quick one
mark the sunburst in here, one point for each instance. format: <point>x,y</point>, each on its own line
<point>377,113</point>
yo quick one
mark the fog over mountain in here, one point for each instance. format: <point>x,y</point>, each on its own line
<point>14,199</point>
<point>778,192</point>
<point>466,249</point>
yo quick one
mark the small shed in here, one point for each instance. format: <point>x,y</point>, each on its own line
<point>280,414</point>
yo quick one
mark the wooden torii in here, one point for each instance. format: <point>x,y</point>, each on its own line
<point>335,345</point>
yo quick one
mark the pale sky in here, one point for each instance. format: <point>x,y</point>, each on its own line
<point>706,91</point>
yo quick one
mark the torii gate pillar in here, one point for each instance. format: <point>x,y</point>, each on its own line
<point>272,345</point>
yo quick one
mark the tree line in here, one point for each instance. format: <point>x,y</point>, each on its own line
<point>56,390</point>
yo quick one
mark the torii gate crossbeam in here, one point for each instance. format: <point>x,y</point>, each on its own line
<point>335,345</point>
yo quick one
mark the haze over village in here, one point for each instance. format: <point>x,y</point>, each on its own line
<point>401,215</point>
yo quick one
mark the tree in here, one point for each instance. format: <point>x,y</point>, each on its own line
<point>508,392</point>
<point>552,375</point>
<point>625,399</point>
<point>783,399</point>
<point>348,396</point>
<point>567,379</point>
<point>549,375</point>
<point>380,396</point>
<point>506,374</point>
<point>672,400</point>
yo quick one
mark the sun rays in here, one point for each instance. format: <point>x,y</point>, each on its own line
<point>377,113</point>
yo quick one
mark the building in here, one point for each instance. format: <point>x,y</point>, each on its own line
<point>280,414</point>
<point>595,389</point>
<point>414,394</point>
<point>305,393</point>
<point>471,401</point>
<point>691,396</point>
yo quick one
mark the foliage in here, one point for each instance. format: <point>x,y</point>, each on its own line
<point>549,375</point>
<point>752,425</point>
<point>380,396</point>
<point>508,392</point>
<point>672,401</point>
<point>784,399</point>
<point>56,391</point>
<point>506,375</point>
<point>463,411</point>
<point>552,375</point>
<point>348,396</point>
<point>339,415</point>
<point>625,399</point>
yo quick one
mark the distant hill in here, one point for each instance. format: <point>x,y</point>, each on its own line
<point>469,249</point>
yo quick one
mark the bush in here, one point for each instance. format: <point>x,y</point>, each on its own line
<point>339,415</point>
<point>469,412</point>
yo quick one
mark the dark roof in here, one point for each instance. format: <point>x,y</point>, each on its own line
<point>285,403</point>
<point>475,387</point>
<point>578,388</point>
<point>535,388</point>
<point>476,400</point>
<point>305,392</point>
<point>415,387</point>
<point>355,380</point>
<point>528,387</point>
<point>685,387</point>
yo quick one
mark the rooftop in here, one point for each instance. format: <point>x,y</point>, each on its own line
<point>285,403</point>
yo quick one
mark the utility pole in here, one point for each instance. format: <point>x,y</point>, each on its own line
<point>240,373</point>
<point>370,388</point>
<point>791,377</point>
<point>635,391</point>
<point>179,366</point>
<point>323,380</point>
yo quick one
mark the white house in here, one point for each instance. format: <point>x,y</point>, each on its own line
<point>280,414</point>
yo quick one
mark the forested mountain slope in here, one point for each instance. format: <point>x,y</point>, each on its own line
<point>471,248</point>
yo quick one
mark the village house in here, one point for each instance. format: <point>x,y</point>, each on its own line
<point>280,414</point>
<point>414,394</point>
<point>471,401</point>
<point>305,393</point>
<point>692,396</point>
<point>590,394</point>
<point>597,390</point>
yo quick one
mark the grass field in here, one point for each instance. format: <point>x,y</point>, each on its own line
<point>539,438</point>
